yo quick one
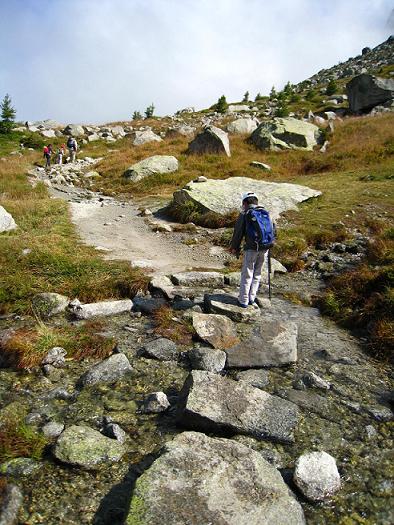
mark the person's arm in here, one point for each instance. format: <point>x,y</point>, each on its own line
<point>239,232</point>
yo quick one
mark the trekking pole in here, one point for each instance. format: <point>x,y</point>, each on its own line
<point>269,273</point>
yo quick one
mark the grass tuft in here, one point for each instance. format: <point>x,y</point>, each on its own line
<point>20,440</point>
<point>168,325</point>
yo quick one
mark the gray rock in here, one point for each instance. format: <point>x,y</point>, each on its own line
<point>366,91</point>
<point>225,304</point>
<point>74,130</point>
<point>55,357</point>
<point>242,126</point>
<point>185,131</point>
<point>155,403</point>
<point>216,330</point>
<point>84,447</point>
<point>12,501</point>
<point>210,279</point>
<point>260,165</point>
<point>237,108</point>
<point>370,432</point>
<point>207,359</point>
<point>103,308</point>
<point>20,467</point>
<point>93,137</point>
<point>205,480</point>
<point>48,133</point>
<point>108,371</point>
<point>164,285</point>
<point>52,429</point>
<point>49,304</point>
<point>210,140</point>
<point>224,196</point>
<point>91,175</point>
<point>317,476</point>
<point>256,378</point>
<point>7,222</point>
<point>312,380</point>
<point>143,137</point>
<point>285,133</point>
<point>158,164</point>
<point>161,349</point>
<point>270,343</point>
<point>148,305</point>
<point>210,402</point>
<point>114,431</point>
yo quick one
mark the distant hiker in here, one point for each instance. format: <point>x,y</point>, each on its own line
<point>47,155</point>
<point>72,148</point>
<point>60,154</point>
<point>255,225</point>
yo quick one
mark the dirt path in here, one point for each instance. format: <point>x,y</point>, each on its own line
<point>117,229</point>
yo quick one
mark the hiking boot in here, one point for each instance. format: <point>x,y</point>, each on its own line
<point>242,305</point>
<point>254,304</point>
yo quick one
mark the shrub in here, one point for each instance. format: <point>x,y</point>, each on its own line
<point>332,87</point>
<point>221,105</point>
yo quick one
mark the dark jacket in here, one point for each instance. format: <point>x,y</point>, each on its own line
<point>240,231</point>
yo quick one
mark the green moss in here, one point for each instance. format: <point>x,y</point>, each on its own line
<point>138,510</point>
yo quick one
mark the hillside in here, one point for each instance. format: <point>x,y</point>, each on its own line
<point>134,388</point>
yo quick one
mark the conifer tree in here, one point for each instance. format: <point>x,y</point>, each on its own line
<point>273,93</point>
<point>221,105</point>
<point>258,97</point>
<point>8,113</point>
<point>331,87</point>
<point>137,115</point>
<point>149,111</point>
<point>246,97</point>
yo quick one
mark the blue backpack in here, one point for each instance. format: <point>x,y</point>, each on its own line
<point>260,228</point>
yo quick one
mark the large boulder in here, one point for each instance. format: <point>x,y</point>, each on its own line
<point>213,403</point>
<point>210,140</point>
<point>74,130</point>
<point>7,222</point>
<point>224,196</point>
<point>11,501</point>
<point>108,371</point>
<point>200,480</point>
<point>208,359</point>
<point>157,164</point>
<point>227,305</point>
<point>270,343</point>
<point>242,126</point>
<point>285,133</point>
<point>216,330</point>
<point>317,476</point>
<point>144,137</point>
<point>366,91</point>
<point>87,448</point>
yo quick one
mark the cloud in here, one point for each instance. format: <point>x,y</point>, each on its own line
<point>89,61</point>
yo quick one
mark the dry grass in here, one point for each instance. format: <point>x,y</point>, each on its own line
<point>168,325</point>
<point>26,348</point>
<point>20,440</point>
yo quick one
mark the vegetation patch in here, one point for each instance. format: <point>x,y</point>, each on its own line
<point>167,324</point>
<point>20,440</point>
<point>27,347</point>
<point>190,211</point>
<point>364,298</point>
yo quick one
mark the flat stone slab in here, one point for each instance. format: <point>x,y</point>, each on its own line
<point>226,304</point>
<point>212,403</point>
<point>84,447</point>
<point>204,480</point>
<point>270,343</point>
<point>216,330</point>
<point>161,349</point>
<point>158,164</point>
<point>224,196</point>
<point>103,308</point>
<point>211,279</point>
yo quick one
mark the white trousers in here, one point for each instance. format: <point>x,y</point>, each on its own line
<point>251,275</point>
<point>73,155</point>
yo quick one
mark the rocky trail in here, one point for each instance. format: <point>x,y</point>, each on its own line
<point>269,415</point>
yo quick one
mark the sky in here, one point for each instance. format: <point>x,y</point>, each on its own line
<point>95,61</point>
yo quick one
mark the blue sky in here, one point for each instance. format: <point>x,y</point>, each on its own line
<point>99,60</point>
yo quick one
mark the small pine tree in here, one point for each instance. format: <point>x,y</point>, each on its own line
<point>221,105</point>
<point>7,115</point>
<point>137,115</point>
<point>273,93</point>
<point>258,97</point>
<point>331,87</point>
<point>310,95</point>
<point>282,110</point>
<point>288,89</point>
<point>149,111</point>
<point>246,97</point>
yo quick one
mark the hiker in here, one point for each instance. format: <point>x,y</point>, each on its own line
<point>60,154</point>
<point>47,155</point>
<point>255,225</point>
<point>72,148</point>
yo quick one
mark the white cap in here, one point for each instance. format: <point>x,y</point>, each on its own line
<point>248,194</point>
